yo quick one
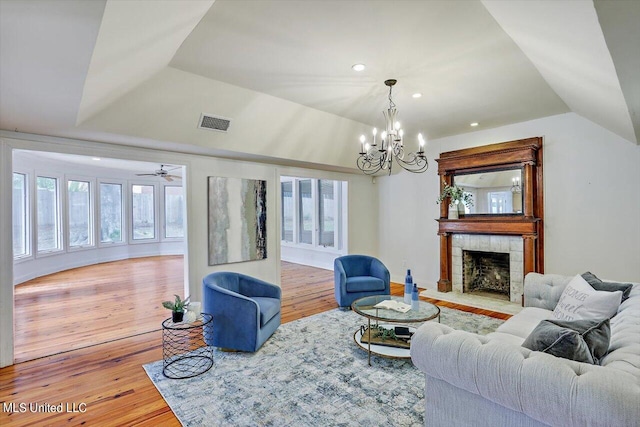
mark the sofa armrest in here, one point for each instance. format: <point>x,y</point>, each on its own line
<point>339,274</point>
<point>551,390</point>
<point>379,270</point>
<point>544,290</point>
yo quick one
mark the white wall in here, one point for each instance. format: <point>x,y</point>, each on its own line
<point>6,259</point>
<point>362,205</point>
<point>407,228</point>
<point>591,199</point>
<point>315,257</point>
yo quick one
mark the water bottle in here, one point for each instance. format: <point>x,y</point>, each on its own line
<point>415,305</point>
<point>408,284</point>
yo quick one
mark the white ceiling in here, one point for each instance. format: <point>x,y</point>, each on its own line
<point>125,168</point>
<point>571,53</point>
<point>77,69</point>
<point>454,53</point>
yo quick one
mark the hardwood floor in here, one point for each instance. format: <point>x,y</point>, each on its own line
<point>95,304</point>
<point>305,291</point>
<point>108,378</point>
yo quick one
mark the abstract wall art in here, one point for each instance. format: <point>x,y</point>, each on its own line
<point>237,220</point>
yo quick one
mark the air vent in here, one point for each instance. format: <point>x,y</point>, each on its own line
<point>211,122</point>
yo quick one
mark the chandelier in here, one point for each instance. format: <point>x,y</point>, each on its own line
<point>516,188</point>
<point>380,155</point>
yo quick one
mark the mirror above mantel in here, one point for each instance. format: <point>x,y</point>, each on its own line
<point>494,192</point>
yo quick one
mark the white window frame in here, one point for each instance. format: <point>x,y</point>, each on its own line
<point>508,202</point>
<point>163,219</point>
<point>92,212</point>
<point>28,220</point>
<point>60,212</point>
<point>339,219</point>
<point>314,216</point>
<point>337,214</point>
<point>294,230</point>
<point>156,215</point>
<point>124,219</point>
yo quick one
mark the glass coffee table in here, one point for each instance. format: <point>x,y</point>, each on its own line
<point>384,345</point>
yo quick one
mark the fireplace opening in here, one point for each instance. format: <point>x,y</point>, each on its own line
<point>486,274</point>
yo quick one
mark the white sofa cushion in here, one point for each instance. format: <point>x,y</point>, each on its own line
<point>523,323</point>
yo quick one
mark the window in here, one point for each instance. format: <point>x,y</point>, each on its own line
<point>80,217</point>
<point>173,212</point>
<point>312,212</point>
<point>326,213</point>
<point>19,216</point>
<point>287,211</point>
<point>48,214</point>
<point>110,213</point>
<point>306,211</point>
<point>54,212</point>
<point>500,202</point>
<point>143,215</point>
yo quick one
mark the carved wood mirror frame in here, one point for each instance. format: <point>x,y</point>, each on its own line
<point>525,154</point>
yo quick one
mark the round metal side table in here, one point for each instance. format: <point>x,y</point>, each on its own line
<point>185,352</point>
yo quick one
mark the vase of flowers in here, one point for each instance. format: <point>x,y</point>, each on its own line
<point>458,199</point>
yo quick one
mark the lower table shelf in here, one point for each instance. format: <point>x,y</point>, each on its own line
<point>383,350</point>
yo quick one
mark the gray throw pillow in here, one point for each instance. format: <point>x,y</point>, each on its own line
<point>579,340</point>
<point>596,333</point>
<point>599,285</point>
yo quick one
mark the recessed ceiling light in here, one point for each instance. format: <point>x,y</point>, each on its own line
<point>474,124</point>
<point>95,158</point>
<point>358,67</point>
<point>417,95</point>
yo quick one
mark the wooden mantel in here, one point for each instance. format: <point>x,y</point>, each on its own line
<point>475,225</point>
<point>525,154</point>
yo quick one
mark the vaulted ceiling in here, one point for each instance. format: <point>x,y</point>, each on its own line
<point>141,73</point>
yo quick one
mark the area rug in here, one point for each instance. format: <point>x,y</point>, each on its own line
<point>309,373</point>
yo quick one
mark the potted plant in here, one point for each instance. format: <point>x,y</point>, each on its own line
<point>177,308</point>
<point>457,197</point>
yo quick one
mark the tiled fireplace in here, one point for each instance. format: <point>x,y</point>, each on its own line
<point>511,246</point>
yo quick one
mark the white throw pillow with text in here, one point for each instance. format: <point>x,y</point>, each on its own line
<point>580,301</point>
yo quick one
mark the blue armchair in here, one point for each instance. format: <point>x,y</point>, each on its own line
<point>246,310</point>
<point>358,276</point>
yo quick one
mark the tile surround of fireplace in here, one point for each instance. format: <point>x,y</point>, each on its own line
<point>511,245</point>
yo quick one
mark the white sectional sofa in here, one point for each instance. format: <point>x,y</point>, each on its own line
<point>474,380</point>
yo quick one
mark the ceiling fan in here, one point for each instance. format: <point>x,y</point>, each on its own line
<point>162,173</point>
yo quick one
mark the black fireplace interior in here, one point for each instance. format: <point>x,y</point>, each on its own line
<point>486,273</point>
